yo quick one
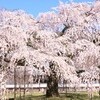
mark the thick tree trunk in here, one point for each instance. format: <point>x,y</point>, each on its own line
<point>52,86</point>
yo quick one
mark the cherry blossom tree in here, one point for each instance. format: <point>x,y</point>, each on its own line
<point>56,44</point>
<point>32,45</point>
<point>78,28</point>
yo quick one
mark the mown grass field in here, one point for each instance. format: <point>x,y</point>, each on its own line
<point>63,96</point>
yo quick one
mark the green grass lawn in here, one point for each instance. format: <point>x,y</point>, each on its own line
<point>63,96</point>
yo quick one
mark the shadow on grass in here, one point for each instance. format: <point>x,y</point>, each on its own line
<point>63,96</point>
<point>31,97</point>
<point>76,96</point>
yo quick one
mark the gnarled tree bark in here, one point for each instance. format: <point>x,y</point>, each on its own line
<point>52,83</point>
<point>52,86</point>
